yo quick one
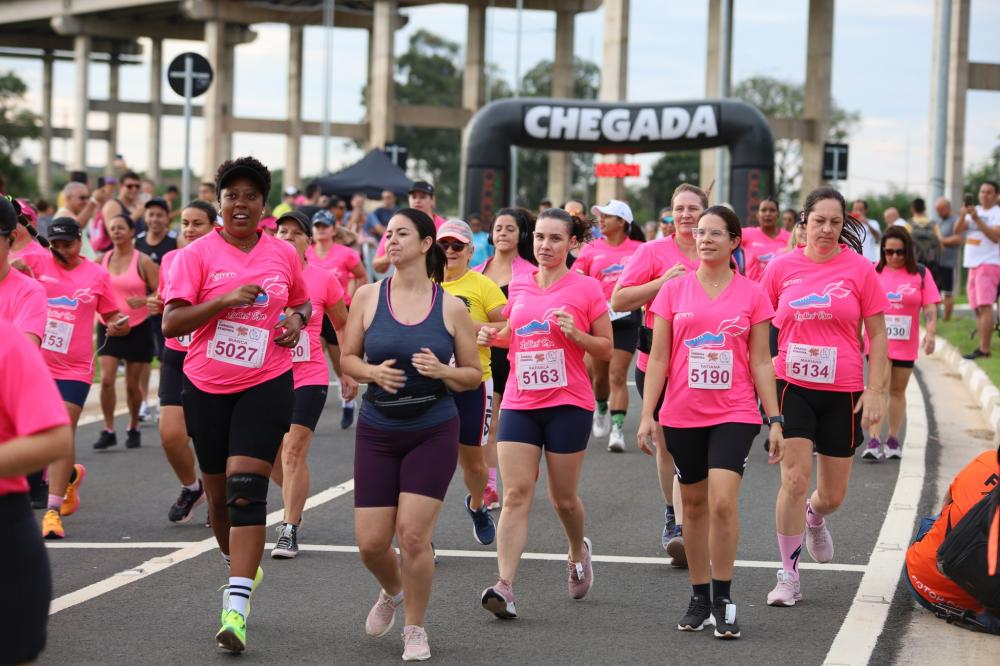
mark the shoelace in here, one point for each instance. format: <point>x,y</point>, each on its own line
<point>576,569</point>
<point>285,539</point>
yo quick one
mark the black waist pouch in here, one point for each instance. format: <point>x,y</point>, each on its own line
<point>402,406</point>
<point>645,339</point>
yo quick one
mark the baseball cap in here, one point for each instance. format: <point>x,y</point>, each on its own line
<point>324,217</point>
<point>64,228</point>
<point>614,207</point>
<point>159,201</point>
<point>243,171</point>
<point>8,218</point>
<point>28,211</point>
<point>290,191</point>
<point>455,228</point>
<point>422,186</point>
<point>299,217</point>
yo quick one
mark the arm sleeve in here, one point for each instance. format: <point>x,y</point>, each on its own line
<point>663,303</point>
<point>873,298</point>
<point>769,283</point>
<point>760,308</point>
<point>637,270</point>
<point>106,301</point>
<point>931,293</point>
<point>492,296</point>
<point>298,292</point>
<point>334,290</point>
<point>596,300</point>
<point>28,394</point>
<point>185,278</point>
<point>34,311</point>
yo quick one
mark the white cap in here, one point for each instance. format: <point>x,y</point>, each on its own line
<point>291,191</point>
<point>614,207</point>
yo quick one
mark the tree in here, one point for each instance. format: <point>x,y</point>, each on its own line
<point>896,198</point>
<point>674,168</point>
<point>16,125</point>
<point>783,99</point>
<point>988,170</point>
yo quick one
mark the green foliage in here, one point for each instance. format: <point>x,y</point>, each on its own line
<point>669,171</point>
<point>988,170</point>
<point>895,198</point>
<point>16,125</point>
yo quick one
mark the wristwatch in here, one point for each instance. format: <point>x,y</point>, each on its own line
<point>779,419</point>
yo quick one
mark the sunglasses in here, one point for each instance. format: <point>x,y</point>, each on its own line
<point>455,246</point>
<point>132,187</point>
<point>899,253</point>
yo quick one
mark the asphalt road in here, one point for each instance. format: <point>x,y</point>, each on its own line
<point>312,609</point>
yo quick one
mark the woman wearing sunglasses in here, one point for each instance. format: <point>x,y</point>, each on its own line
<point>910,288</point>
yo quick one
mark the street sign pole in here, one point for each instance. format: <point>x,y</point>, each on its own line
<point>189,76</point>
<point>188,86</point>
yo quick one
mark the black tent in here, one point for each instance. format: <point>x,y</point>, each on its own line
<point>372,174</point>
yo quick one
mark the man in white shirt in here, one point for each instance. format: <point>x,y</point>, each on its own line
<point>870,243</point>
<point>982,258</point>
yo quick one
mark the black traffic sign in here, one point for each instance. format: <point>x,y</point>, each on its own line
<point>201,74</point>
<point>398,153</point>
<point>834,161</point>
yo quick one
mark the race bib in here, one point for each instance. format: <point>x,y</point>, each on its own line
<point>898,326</point>
<point>708,369</point>
<point>57,336</point>
<point>184,340</point>
<point>615,316</point>
<point>238,344</point>
<point>541,370</point>
<point>301,352</point>
<point>812,364</point>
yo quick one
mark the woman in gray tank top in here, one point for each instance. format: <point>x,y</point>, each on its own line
<point>401,333</point>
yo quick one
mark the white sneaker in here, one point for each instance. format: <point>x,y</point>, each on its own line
<point>602,424</point>
<point>616,443</point>
<point>143,413</point>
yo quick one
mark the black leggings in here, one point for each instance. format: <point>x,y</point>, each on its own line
<point>26,581</point>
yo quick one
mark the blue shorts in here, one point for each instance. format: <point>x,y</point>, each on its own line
<point>73,391</point>
<point>560,429</point>
<point>475,412</point>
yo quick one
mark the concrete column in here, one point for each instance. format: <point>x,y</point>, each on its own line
<point>45,158</point>
<point>614,80</point>
<point>474,80</point>
<point>156,100</point>
<point>81,56</point>
<point>819,67</point>
<point>563,78</point>
<point>214,110</point>
<point>381,113</point>
<point>114,72</point>
<point>293,142</point>
<point>958,85</point>
<point>710,157</point>
<point>228,88</point>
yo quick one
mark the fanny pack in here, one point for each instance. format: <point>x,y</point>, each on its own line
<point>645,339</point>
<point>401,406</point>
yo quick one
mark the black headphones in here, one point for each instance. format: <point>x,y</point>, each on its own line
<point>523,235</point>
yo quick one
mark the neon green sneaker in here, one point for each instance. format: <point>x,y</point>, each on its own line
<point>225,595</point>
<point>233,634</point>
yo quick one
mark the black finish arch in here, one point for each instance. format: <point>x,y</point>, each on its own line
<point>612,127</point>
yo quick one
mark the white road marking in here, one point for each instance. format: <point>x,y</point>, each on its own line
<point>186,552</point>
<point>859,633</point>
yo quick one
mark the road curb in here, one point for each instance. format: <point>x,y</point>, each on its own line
<point>986,394</point>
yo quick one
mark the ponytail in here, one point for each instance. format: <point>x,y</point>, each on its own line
<point>635,232</point>
<point>436,261</point>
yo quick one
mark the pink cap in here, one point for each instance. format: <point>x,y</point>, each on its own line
<point>28,210</point>
<point>455,228</point>
<point>269,223</point>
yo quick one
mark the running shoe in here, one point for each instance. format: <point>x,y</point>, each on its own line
<point>483,528</point>
<point>724,619</point>
<point>699,614</point>
<point>786,592</point>
<point>71,500</point>
<point>182,510</point>
<point>106,440</point>
<point>434,553</point>
<point>257,579</point>
<point>602,424</point>
<point>233,634</point>
<point>346,417</point>
<point>143,413</point>
<point>499,600</point>
<point>669,525</point>
<point>819,542</point>
<point>287,545</point>
<point>675,549</point>
<point>581,574</point>
<point>133,439</point>
<point>873,451</point>
<point>415,645</point>
<point>616,443</point>
<point>52,525</point>
<point>382,616</point>
<point>893,449</point>
<point>491,499</point>
<point>976,353</point>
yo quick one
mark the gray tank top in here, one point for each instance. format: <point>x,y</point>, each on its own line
<point>387,338</point>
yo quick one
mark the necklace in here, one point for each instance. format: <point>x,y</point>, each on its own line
<point>242,246</point>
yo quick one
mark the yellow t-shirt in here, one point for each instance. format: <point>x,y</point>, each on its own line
<point>480,295</point>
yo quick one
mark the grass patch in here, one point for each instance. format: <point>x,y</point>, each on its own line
<point>959,332</point>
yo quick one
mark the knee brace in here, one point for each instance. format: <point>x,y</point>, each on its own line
<point>246,497</point>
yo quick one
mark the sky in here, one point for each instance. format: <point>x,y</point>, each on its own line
<point>881,68</point>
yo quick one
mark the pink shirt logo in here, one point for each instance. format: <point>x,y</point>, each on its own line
<point>536,327</point>
<point>71,302</point>
<point>272,287</point>
<point>896,297</point>
<point>718,339</point>
<point>823,300</point>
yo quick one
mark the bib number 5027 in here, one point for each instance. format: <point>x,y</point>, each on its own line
<point>238,344</point>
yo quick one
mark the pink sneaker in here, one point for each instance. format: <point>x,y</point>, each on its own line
<point>499,600</point>
<point>819,541</point>
<point>581,574</point>
<point>491,499</point>
<point>786,592</point>
<point>382,616</point>
<point>415,645</point>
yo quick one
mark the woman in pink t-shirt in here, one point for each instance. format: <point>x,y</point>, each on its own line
<point>312,381</point>
<point>241,294</point>
<point>822,293</point>
<point>765,242</point>
<point>910,288</point>
<point>604,259</point>
<point>710,336</point>
<point>554,317</point>
<point>34,432</point>
<point>22,299</point>
<point>652,266</point>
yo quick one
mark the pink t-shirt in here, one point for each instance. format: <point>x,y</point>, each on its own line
<point>29,399</point>
<point>710,381</point>
<point>181,342</point>
<point>605,262</point>
<point>819,306</point>
<point>520,266</point>
<point>649,262</point>
<point>128,284</point>
<point>906,300</point>
<point>546,369</point>
<point>763,248</point>
<point>75,297</point>
<point>235,349</point>
<point>23,303</point>
<point>340,261</point>
<point>438,221</point>
<point>308,362</point>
